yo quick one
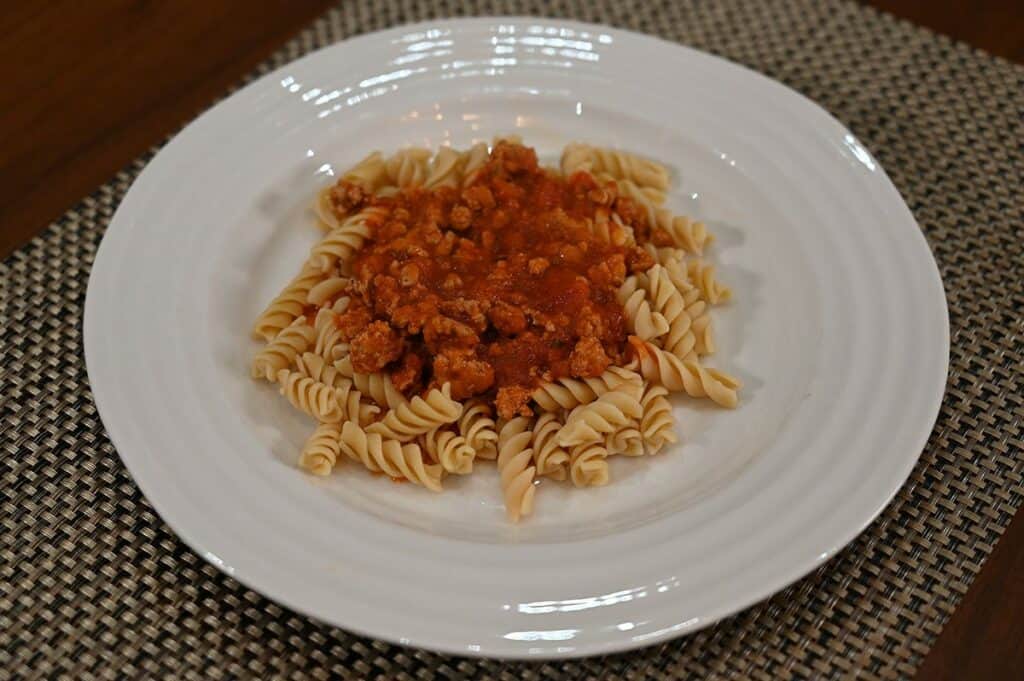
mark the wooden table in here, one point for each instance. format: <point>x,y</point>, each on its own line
<point>88,86</point>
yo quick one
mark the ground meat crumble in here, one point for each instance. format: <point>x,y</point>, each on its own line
<point>494,288</point>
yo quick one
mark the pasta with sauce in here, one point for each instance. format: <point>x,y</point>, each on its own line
<point>469,307</point>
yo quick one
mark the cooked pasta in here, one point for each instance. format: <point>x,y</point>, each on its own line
<point>445,170</point>
<point>465,307</point>
<point>514,459</point>
<point>390,457</point>
<point>666,300</point>
<point>378,387</point>
<point>283,350</point>
<point>317,399</point>
<point>320,453</point>
<point>550,458</point>
<point>478,428</point>
<point>450,450</point>
<point>618,164</point>
<point>569,393</point>
<point>287,306</point>
<point>418,416</point>
<point>656,423</point>
<point>644,322</point>
<point>609,412</point>
<point>408,167</point>
<point>663,368</point>
<point>342,242</point>
<point>626,440</point>
<point>330,341</point>
<point>588,466</point>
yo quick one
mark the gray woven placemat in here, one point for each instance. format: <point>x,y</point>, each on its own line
<point>94,585</point>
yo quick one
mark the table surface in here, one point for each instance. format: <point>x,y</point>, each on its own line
<point>104,90</point>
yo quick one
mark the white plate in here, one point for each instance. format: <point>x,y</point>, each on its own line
<point>839,330</point>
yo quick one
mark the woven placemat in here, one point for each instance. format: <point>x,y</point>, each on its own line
<point>94,586</point>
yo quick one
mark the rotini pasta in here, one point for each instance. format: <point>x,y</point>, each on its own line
<point>641,320</point>
<point>317,399</point>
<point>618,164</point>
<point>514,459</point>
<point>408,167</point>
<point>390,457</point>
<point>627,440</point>
<point>450,450</point>
<point>478,428</point>
<point>656,423</point>
<point>445,169</point>
<point>609,412</point>
<point>689,376</point>
<point>326,291</point>
<point>340,243</point>
<point>282,351</point>
<point>352,405</point>
<point>666,300</point>
<point>588,466</point>
<point>472,306</point>
<point>569,393</point>
<point>550,458</point>
<point>320,453</point>
<point>379,387</point>
<point>287,306</point>
<point>418,416</point>
<point>330,341</point>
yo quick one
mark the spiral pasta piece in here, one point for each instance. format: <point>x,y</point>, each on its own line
<point>609,412</point>
<point>643,321</point>
<point>569,393</point>
<point>472,161</point>
<point>281,352</point>
<point>323,206</point>
<point>657,426</point>
<point>663,368</point>
<point>444,170</point>
<point>609,228</point>
<point>394,459</point>
<point>408,167</point>
<point>588,465</point>
<point>317,399</point>
<point>665,254</point>
<point>688,234</point>
<point>352,405</point>
<point>549,457</point>
<point>627,440</point>
<point>377,386</point>
<point>702,275</point>
<point>370,173</point>
<point>666,300</point>
<point>477,426</point>
<point>450,450</point>
<point>620,165</point>
<point>514,458</point>
<point>320,453</point>
<point>287,306</point>
<point>339,244</point>
<point>697,308</point>
<point>330,343</point>
<point>326,290</point>
<point>645,196</point>
<point>418,416</point>
<point>314,366</point>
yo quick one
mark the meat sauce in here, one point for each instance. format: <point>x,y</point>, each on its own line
<point>493,288</point>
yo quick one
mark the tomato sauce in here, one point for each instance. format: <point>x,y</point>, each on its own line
<point>495,287</point>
